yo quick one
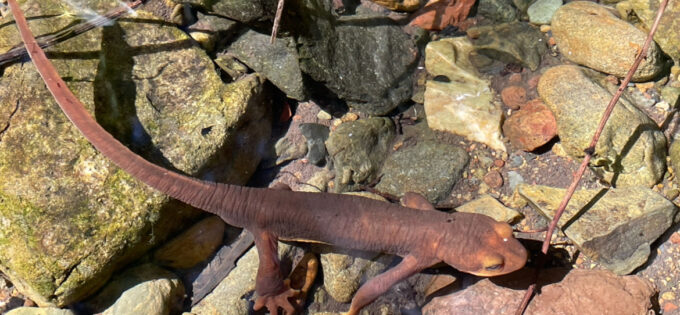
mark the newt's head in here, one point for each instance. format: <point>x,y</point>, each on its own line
<point>479,245</point>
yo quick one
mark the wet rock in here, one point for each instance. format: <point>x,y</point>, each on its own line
<point>193,246</point>
<point>316,135</point>
<point>66,212</point>
<point>144,289</point>
<point>210,28</point>
<point>631,150</point>
<point>287,150</point>
<point>514,42</point>
<point>277,61</point>
<point>497,10</point>
<point>489,206</point>
<point>542,11</point>
<point>514,96</point>
<point>457,99</point>
<point>590,292</point>
<point>358,149</point>
<point>531,127</point>
<point>40,311</point>
<point>591,35</point>
<point>438,15</point>
<point>245,11</point>
<point>343,272</point>
<point>493,179</point>
<point>666,35</point>
<point>233,295</point>
<point>428,168</point>
<point>614,227</point>
<point>363,59</point>
<point>674,156</point>
<point>399,5</point>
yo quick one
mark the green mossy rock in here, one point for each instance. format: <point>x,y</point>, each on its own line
<point>68,216</point>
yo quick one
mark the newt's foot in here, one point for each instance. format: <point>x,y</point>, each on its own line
<point>274,302</point>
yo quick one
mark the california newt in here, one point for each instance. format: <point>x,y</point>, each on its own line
<point>471,243</point>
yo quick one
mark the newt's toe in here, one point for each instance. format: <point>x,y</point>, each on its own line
<point>280,300</point>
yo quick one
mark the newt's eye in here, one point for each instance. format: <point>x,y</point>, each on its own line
<point>494,267</point>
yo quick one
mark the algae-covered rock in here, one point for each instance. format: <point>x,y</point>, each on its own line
<point>358,149</point>
<point>631,150</point>
<point>514,42</point>
<point>245,11</point>
<point>428,168</point>
<point>591,35</point>
<point>668,33</point>
<point>68,216</point>
<point>458,99</point>
<point>615,227</point>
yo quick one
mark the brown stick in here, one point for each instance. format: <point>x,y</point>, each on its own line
<point>18,52</point>
<point>591,150</point>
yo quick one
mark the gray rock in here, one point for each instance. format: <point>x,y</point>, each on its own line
<point>277,61</point>
<point>514,179</point>
<point>67,213</point>
<point>287,150</point>
<point>428,168</point>
<point>144,289</point>
<point>589,34</point>
<point>365,60</point>
<point>208,29</point>
<point>541,11</point>
<point>316,135</point>
<point>674,156</point>
<point>514,42</point>
<point>489,206</point>
<point>667,36</point>
<point>232,296</point>
<point>358,149</point>
<point>245,11</point>
<point>631,150</point>
<point>497,10</point>
<point>614,227</point>
<point>344,273</point>
<point>39,311</point>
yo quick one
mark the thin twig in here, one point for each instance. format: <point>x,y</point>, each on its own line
<point>591,150</point>
<point>277,20</point>
<point>18,52</point>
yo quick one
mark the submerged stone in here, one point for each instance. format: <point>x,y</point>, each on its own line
<point>514,42</point>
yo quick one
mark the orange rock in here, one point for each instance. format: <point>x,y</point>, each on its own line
<point>531,127</point>
<point>437,15</point>
<point>493,179</point>
<point>533,81</point>
<point>675,238</point>
<point>669,307</point>
<point>515,78</point>
<point>514,96</point>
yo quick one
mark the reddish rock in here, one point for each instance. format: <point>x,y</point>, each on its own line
<point>498,163</point>
<point>437,15</point>
<point>675,238</point>
<point>515,78</point>
<point>514,96</point>
<point>493,179</point>
<point>533,81</point>
<point>531,127</point>
<point>669,307</point>
<point>579,292</point>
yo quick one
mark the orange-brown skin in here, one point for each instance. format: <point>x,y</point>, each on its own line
<point>469,242</point>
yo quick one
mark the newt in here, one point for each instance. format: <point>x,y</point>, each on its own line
<point>423,237</point>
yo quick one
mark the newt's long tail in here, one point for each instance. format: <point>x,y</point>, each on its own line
<point>198,193</point>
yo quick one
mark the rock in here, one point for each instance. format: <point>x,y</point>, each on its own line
<point>277,61</point>
<point>232,296</point>
<point>428,168</point>
<point>591,35</point>
<point>674,157</point>
<point>210,28</point>
<point>542,11</point>
<point>614,227</point>
<point>514,179</point>
<point>531,127</point>
<point>489,206</point>
<point>493,179</point>
<point>147,289</point>
<point>497,10</point>
<point>287,150</point>
<point>588,292</point>
<point>358,149</point>
<point>316,136</point>
<point>514,96</point>
<point>666,35</point>
<point>631,150</point>
<point>67,214</point>
<point>193,246</point>
<point>366,60</point>
<point>245,11</point>
<point>458,100</point>
<point>343,271</point>
<point>399,5</point>
<point>40,311</point>
<point>671,95</point>
<point>514,42</point>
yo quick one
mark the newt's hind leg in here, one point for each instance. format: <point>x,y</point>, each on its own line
<point>273,292</point>
<point>378,285</point>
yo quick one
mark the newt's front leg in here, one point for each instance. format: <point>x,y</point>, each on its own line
<point>273,292</point>
<point>378,285</point>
